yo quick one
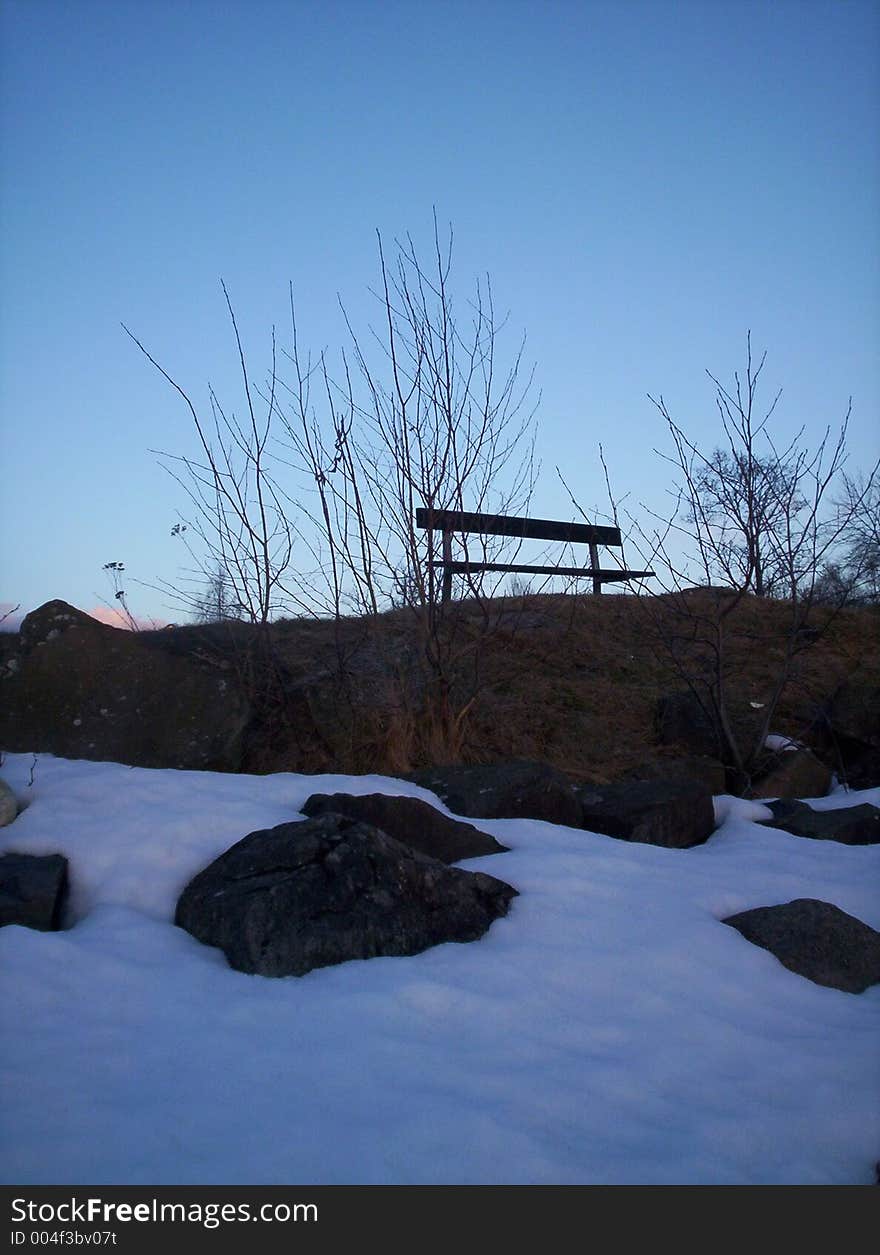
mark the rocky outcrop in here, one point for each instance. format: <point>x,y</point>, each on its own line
<point>850,825</point>
<point>817,940</point>
<point>33,890</point>
<point>793,774</point>
<point>81,689</point>
<point>306,895</point>
<point>506,790</point>
<point>412,822</point>
<point>8,804</point>
<point>676,815</point>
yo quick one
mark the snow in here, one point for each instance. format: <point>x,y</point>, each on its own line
<point>774,742</point>
<point>609,1030</point>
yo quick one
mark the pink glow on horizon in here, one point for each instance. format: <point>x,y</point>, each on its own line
<point>117,618</point>
<point>108,615</point>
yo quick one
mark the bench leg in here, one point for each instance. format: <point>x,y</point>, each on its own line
<point>594,563</point>
<point>446,595</point>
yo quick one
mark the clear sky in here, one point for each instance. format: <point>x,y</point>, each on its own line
<point>643,181</point>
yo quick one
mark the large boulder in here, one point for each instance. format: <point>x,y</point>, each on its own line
<point>817,940</point>
<point>410,821</point>
<point>506,790</point>
<point>82,689</point>
<point>850,825</point>
<point>304,895</point>
<point>793,774</point>
<point>8,804</point>
<point>33,890</point>
<point>673,814</point>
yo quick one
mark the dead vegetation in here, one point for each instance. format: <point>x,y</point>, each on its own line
<point>571,680</point>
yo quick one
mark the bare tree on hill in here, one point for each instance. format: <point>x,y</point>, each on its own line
<point>853,576</point>
<point>422,415</point>
<point>752,516</point>
<point>307,504</point>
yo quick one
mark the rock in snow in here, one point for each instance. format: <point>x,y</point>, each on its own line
<point>32,890</point>
<point>8,804</point>
<point>850,825</point>
<point>410,821</point>
<point>795,773</point>
<point>303,895</point>
<point>655,812</point>
<point>816,940</point>
<point>516,789</point>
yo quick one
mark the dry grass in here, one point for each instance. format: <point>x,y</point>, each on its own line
<point>573,681</point>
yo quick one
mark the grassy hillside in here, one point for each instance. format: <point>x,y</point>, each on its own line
<point>574,681</point>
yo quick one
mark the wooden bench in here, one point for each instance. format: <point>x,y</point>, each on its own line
<point>450,521</point>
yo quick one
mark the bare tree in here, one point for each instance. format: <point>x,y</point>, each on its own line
<point>422,415</point>
<point>216,603</point>
<point>853,576</point>
<point>238,529</point>
<point>238,513</point>
<point>751,517</point>
<point>419,413</point>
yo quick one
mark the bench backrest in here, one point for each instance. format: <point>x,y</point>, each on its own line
<point>450,521</point>
<point>510,525</point>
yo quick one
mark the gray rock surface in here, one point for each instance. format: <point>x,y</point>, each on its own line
<point>81,689</point>
<point>305,895</point>
<point>817,940</point>
<point>673,814</point>
<point>708,773</point>
<point>33,890</point>
<point>8,804</point>
<point>850,825</point>
<point>794,774</point>
<point>507,790</point>
<point>410,821</point>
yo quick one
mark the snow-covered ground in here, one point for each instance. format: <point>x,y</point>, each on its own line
<point>610,1030</point>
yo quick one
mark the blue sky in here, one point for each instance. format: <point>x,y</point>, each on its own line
<point>644,182</point>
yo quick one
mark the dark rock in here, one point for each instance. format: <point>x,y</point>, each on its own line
<point>851,825</point>
<point>817,940</point>
<point>49,621</point>
<point>681,719</point>
<point>855,712</point>
<point>676,815</point>
<point>85,690</point>
<point>33,890</point>
<point>793,774</point>
<point>708,773</point>
<point>852,728</point>
<point>10,648</point>
<point>410,821</point>
<point>8,804</point>
<point>304,895</point>
<point>860,766</point>
<point>506,790</point>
